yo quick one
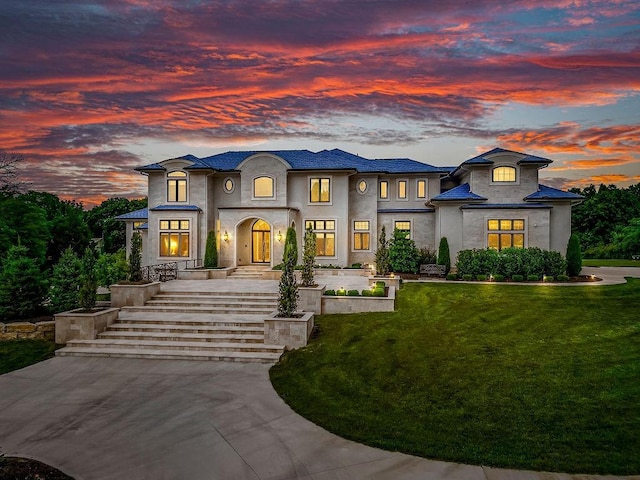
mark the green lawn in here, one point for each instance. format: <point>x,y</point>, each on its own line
<point>15,354</point>
<point>532,377</point>
<point>606,262</point>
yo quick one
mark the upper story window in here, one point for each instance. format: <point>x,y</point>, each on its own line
<point>319,190</point>
<point>504,174</point>
<point>362,186</point>
<point>402,189</point>
<point>421,189</point>
<point>384,189</point>
<point>228,186</point>
<point>176,187</point>
<point>263,187</point>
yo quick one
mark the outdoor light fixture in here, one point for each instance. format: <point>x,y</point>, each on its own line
<point>279,236</point>
<point>225,237</point>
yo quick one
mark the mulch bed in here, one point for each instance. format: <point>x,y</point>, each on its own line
<point>15,468</point>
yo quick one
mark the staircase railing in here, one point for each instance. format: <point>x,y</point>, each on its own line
<point>161,272</point>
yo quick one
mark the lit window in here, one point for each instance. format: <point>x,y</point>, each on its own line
<point>319,190</point>
<point>504,174</point>
<point>362,186</point>
<point>384,189</point>
<point>174,238</point>
<point>228,185</point>
<point>403,225</point>
<point>421,188</point>
<point>325,236</point>
<point>263,187</point>
<point>177,187</point>
<point>402,189</point>
<point>361,235</point>
<point>505,233</point>
<point>137,225</point>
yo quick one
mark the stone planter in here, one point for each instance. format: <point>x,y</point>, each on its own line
<point>77,325</point>
<point>310,298</point>
<point>346,304</point>
<point>388,281</point>
<point>271,274</point>
<point>290,332</point>
<point>132,295</point>
<point>204,273</point>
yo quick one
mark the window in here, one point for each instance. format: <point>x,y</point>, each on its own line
<point>319,190</point>
<point>362,186</point>
<point>361,235</point>
<point>403,225</point>
<point>263,187</point>
<point>228,185</point>
<point>325,231</point>
<point>174,238</point>
<point>504,174</point>
<point>402,189</point>
<point>505,234</point>
<point>137,225</point>
<point>421,189</point>
<point>384,189</point>
<point>177,187</point>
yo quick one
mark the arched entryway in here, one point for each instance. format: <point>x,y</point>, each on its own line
<point>260,242</point>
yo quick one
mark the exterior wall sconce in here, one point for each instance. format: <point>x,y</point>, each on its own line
<point>279,236</point>
<point>225,237</point>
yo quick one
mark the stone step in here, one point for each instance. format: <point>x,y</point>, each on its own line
<point>248,294</point>
<point>184,300</point>
<point>173,328</point>
<point>159,353</point>
<point>211,309</point>
<point>246,276</point>
<point>183,336</point>
<point>175,345</point>
<point>142,317</point>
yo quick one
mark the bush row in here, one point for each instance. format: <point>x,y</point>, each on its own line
<point>510,263</point>
<point>377,290</point>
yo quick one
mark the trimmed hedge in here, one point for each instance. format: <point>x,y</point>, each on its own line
<point>510,262</point>
<point>353,293</point>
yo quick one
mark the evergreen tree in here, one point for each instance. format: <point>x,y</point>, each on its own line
<point>22,286</point>
<point>291,242</point>
<point>65,282</point>
<point>383,263</point>
<point>135,257</point>
<point>211,251</point>
<point>403,253</point>
<point>308,257</point>
<point>574,256</point>
<point>88,292</point>
<point>444,257</point>
<point>288,289</point>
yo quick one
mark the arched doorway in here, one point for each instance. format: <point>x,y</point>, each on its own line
<point>260,242</point>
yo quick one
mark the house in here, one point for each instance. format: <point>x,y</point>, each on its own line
<point>249,199</point>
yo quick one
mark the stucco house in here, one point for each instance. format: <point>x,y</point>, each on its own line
<point>250,198</point>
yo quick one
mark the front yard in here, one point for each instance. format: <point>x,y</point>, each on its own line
<point>16,354</point>
<point>532,377</point>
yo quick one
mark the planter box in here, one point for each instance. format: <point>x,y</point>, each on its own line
<point>359,272</point>
<point>76,325</point>
<point>290,332</point>
<point>132,295</point>
<point>346,304</point>
<point>388,281</point>
<point>310,298</point>
<point>271,274</point>
<point>204,273</point>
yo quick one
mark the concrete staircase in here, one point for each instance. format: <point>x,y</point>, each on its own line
<point>188,326</point>
<point>251,272</point>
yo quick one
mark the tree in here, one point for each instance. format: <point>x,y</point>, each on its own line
<point>403,253</point>
<point>103,224</point>
<point>444,257</point>
<point>383,263</point>
<point>65,282</point>
<point>9,182</point>
<point>291,243</point>
<point>88,291</point>
<point>22,287</point>
<point>24,223</point>
<point>112,268</point>
<point>308,257</point>
<point>135,257</point>
<point>211,251</point>
<point>288,289</point>
<point>574,256</point>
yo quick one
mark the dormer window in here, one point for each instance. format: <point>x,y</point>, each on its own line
<point>177,186</point>
<point>504,174</point>
<point>263,187</point>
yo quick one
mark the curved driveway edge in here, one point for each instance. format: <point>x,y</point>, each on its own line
<point>118,418</point>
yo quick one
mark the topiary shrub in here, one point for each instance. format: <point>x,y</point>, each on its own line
<point>548,278</point>
<point>378,292</point>
<point>288,288</point>
<point>291,243</point>
<point>135,257</point>
<point>341,293</point>
<point>517,278</point>
<point>211,251</point>
<point>532,278</point>
<point>380,284</point>
<point>330,293</point>
<point>574,256</point>
<point>467,277</point>
<point>562,278</point>
<point>383,263</point>
<point>481,278</point>
<point>308,257</point>
<point>403,253</point>
<point>452,276</point>
<point>367,292</point>
<point>498,278</point>
<point>444,257</point>
<point>353,293</point>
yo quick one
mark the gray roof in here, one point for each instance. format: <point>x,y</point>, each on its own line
<point>176,207</point>
<point>549,193</point>
<point>141,214</point>
<point>460,193</point>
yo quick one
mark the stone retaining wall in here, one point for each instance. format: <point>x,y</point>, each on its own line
<point>24,330</point>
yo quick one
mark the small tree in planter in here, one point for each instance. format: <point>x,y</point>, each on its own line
<point>444,257</point>
<point>65,282</point>
<point>135,258</point>
<point>574,256</point>
<point>308,257</point>
<point>288,289</point>
<point>211,251</point>
<point>88,292</point>
<point>383,262</point>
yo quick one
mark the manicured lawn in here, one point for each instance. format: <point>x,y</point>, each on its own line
<point>606,262</point>
<point>531,377</point>
<point>15,354</point>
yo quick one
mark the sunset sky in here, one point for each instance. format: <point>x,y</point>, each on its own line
<point>89,90</point>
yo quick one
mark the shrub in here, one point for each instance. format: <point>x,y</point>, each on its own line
<point>517,278</point>
<point>22,286</point>
<point>533,262</point>
<point>291,243</point>
<point>467,277</point>
<point>112,268</point>
<point>378,292</point>
<point>288,289</point>
<point>574,256</point>
<point>63,295</point>
<point>135,257</point>
<point>279,266</point>
<point>383,263</point>
<point>562,278</point>
<point>444,257</point>
<point>367,292</point>
<point>403,253</point>
<point>341,293</point>
<point>477,262</point>
<point>548,278</point>
<point>427,256</point>
<point>353,293</point>
<point>211,251</point>
<point>481,278</point>
<point>554,263</point>
<point>380,284</point>
<point>510,262</point>
<point>330,293</point>
<point>355,265</point>
<point>498,278</point>
<point>88,292</point>
<point>452,276</point>
<point>532,278</point>
<point>308,257</point>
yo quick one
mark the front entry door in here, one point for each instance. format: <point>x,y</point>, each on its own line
<point>261,242</point>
